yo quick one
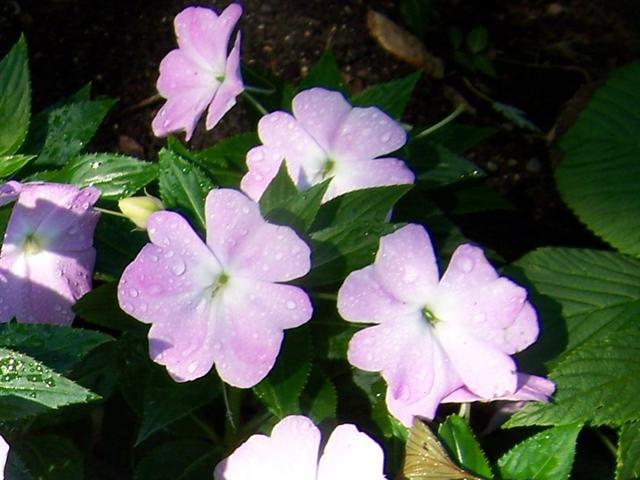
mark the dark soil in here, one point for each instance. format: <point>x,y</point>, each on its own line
<point>547,55</point>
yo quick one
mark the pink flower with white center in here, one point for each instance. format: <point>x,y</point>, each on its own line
<point>438,340</point>
<point>47,256</point>
<point>217,303</point>
<point>327,138</point>
<point>199,74</point>
<point>291,453</point>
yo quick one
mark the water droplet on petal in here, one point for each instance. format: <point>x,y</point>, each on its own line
<point>291,305</point>
<point>466,264</point>
<point>385,137</point>
<point>133,292</point>
<point>192,367</point>
<point>179,268</point>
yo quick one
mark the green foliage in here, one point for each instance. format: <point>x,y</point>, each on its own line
<point>183,186</point>
<point>457,436</point>
<point>280,390</point>
<point>325,73</point>
<point>184,459</point>
<point>391,97</point>
<point>320,399</point>
<point>600,172</point>
<point>116,176</point>
<point>225,161</point>
<point>547,455</point>
<point>628,458</point>
<point>52,457</point>
<point>117,244</point>
<point>100,307</point>
<point>24,377</point>
<point>10,164</point>
<point>416,14</point>
<point>15,98</point>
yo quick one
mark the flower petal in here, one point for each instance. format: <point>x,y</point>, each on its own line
<point>4,451</point>
<point>179,73</point>
<point>320,112</point>
<point>9,191</point>
<point>363,298</point>
<point>367,133</point>
<point>367,174</point>
<point>467,269</point>
<point>204,36</point>
<point>523,331</point>
<point>182,112</point>
<point>351,454</point>
<point>249,328</point>
<point>406,265</point>
<point>232,86</point>
<point>271,458</point>
<point>263,163</point>
<point>484,370</point>
<point>530,388</point>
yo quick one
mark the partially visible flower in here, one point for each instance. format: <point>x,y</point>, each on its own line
<point>217,302</point>
<point>199,74</point>
<point>47,256</point>
<point>530,388</point>
<point>291,453</point>
<point>436,340</point>
<point>327,138</point>
<point>138,209</point>
<point>4,451</point>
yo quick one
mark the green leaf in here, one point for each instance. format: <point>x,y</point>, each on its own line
<point>22,376</point>
<point>62,133</point>
<point>51,457</point>
<point>457,436</point>
<point>172,460</point>
<point>166,401</point>
<point>416,14</point>
<point>477,40</point>
<point>325,73</point>
<point>337,251</point>
<point>183,186</point>
<point>58,347</point>
<point>514,115</point>
<point>280,390</point>
<point>279,190</point>
<point>15,98</point>
<point>12,163</point>
<point>116,176</point>
<point>117,244</point>
<point>227,158</point>
<point>391,97</point>
<point>547,455</point>
<point>319,400</point>
<point>100,307</point>
<point>628,458</point>
<point>369,204</point>
<point>600,173</point>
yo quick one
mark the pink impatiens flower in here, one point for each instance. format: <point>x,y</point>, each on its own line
<point>47,256</point>
<point>327,138</point>
<point>439,340</point>
<point>199,74</point>
<point>217,302</point>
<point>291,453</point>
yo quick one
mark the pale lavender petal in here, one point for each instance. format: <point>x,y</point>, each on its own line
<point>179,73</point>
<point>263,163</point>
<point>406,265</point>
<point>367,133</point>
<point>467,269</point>
<point>530,388</point>
<point>271,458</point>
<point>282,132</point>
<point>350,454</point>
<point>367,174</point>
<point>4,452</point>
<point>523,331</point>
<point>484,370</point>
<point>182,112</point>
<point>232,86</point>
<point>249,328</point>
<point>204,36</point>
<point>362,298</point>
<point>320,112</point>
<point>9,191</point>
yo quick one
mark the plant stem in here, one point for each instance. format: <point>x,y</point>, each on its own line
<point>448,119</point>
<point>607,442</point>
<point>465,411</point>
<point>110,212</point>
<point>256,104</point>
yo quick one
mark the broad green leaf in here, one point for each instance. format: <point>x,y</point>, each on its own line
<point>58,347</point>
<point>599,383</point>
<point>116,176</point>
<point>62,133</point>
<point>183,186</point>
<point>319,399</point>
<point>547,455</point>
<point>12,163</point>
<point>229,153</point>
<point>457,436</point>
<point>51,457</point>
<point>280,390</point>
<point>15,98</point>
<point>628,458</point>
<point>166,401</point>
<point>416,14</point>
<point>22,376</point>
<point>279,190</point>
<point>100,307</point>
<point>117,244</point>
<point>370,204</point>
<point>337,251</point>
<point>477,40</point>
<point>391,97</point>
<point>171,460</point>
<point>600,172</point>
<point>325,73</point>
<point>580,295</point>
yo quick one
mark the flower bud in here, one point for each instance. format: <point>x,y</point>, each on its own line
<point>138,209</point>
